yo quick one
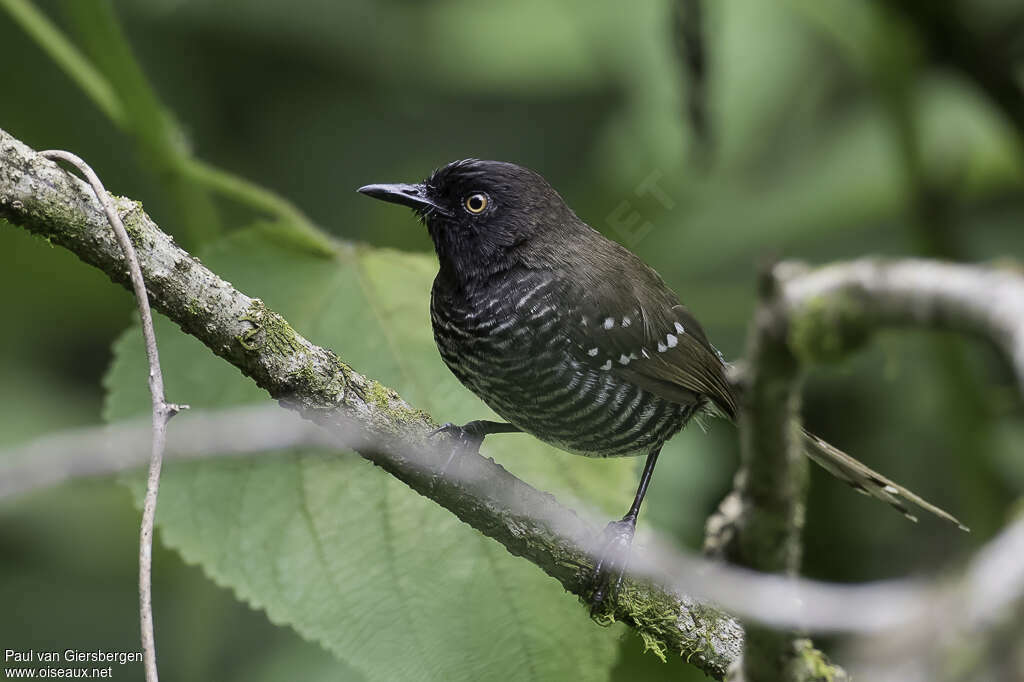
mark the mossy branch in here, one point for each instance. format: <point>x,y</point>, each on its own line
<point>771,486</point>
<point>37,195</point>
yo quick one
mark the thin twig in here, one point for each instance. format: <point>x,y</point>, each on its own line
<point>162,410</point>
<point>112,448</point>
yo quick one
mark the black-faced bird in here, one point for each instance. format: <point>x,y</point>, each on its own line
<point>570,337</point>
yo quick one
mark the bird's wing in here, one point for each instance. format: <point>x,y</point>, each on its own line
<point>632,324</point>
<point>644,335</point>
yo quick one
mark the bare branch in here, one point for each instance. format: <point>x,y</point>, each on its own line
<point>771,484</point>
<point>817,316</point>
<point>162,411</point>
<point>835,308</point>
<point>103,450</point>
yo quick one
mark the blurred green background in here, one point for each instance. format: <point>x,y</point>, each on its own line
<point>836,129</point>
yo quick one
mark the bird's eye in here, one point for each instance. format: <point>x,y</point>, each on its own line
<point>476,203</point>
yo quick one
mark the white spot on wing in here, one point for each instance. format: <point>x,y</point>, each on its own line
<point>609,322</point>
<point>672,340</point>
<point>607,364</point>
<point>891,490</point>
<point>592,352</point>
<point>680,329</point>
<point>624,359</point>
<point>626,321</point>
<point>662,347</point>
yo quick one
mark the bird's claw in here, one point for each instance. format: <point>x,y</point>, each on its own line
<point>443,428</point>
<point>617,539</point>
<point>466,440</point>
<point>447,427</point>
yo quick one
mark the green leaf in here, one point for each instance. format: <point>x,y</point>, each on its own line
<point>394,585</point>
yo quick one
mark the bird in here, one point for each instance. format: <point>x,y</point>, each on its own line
<point>573,339</point>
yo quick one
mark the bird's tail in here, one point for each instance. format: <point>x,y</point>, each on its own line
<point>867,481</point>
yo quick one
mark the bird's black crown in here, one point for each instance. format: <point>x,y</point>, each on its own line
<point>482,214</point>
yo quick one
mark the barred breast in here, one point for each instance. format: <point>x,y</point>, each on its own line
<point>511,344</point>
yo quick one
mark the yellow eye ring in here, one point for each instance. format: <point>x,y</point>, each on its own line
<point>475,203</point>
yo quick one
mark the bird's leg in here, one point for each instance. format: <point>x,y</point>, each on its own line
<point>617,540</point>
<point>470,436</point>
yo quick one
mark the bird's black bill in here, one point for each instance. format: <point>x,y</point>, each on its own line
<point>413,196</point>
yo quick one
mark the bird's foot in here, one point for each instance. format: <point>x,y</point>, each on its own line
<point>468,439</point>
<point>613,558</point>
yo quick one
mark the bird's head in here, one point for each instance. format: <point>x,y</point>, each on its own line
<point>481,214</point>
